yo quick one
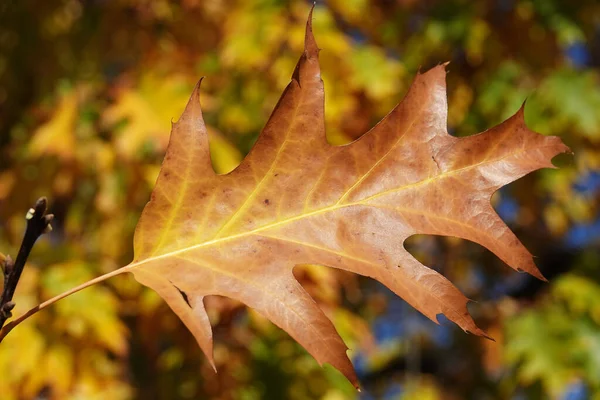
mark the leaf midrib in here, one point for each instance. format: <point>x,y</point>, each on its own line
<point>324,210</point>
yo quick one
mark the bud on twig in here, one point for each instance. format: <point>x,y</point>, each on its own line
<point>40,206</point>
<point>8,265</point>
<point>30,214</point>
<point>47,219</point>
<point>6,309</point>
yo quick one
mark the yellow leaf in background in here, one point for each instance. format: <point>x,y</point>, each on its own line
<point>150,174</point>
<point>461,100</point>
<point>55,370</point>
<point>334,395</point>
<point>235,118</point>
<point>247,35</point>
<point>325,280</point>
<point>27,347</point>
<point>375,73</point>
<point>556,219</point>
<point>147,111</point>
<point>224,155</point>
<point>580,294</point>
<point>353,10</point>
<point>422,389</point>
<point>142,124</point>
<point>588,160</point>
<point>90,385</point>
<point>74,317</point>
<point>354,330</point>
<point>59,368</point>
<point>476,41</point>
<point>57,136</point>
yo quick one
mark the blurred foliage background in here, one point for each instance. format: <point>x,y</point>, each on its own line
<point>88,89</point>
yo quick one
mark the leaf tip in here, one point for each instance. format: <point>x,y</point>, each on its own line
<point>520,115</point>
<point>212,364</point>
<point>563,148</point>
<point>480,332</point>
<point>193,109</point>
<point>310,44</point>
<point>353,379</point>
<point>538,274</point>
<point>196,92</point>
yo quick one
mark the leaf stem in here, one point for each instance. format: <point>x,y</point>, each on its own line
<point>6,329</point>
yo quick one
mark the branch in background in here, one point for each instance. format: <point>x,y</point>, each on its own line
<point>38,223</point>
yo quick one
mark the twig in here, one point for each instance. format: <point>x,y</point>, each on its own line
<point>38,223</point>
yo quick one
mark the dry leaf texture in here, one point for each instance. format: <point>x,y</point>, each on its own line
<point>296,199</point>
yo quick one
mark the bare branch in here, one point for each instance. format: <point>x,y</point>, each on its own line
<point>38,223</point>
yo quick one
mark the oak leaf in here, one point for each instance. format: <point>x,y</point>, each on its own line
<point>296,199</point>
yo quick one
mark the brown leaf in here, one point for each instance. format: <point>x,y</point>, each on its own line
<point>296,199</point>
